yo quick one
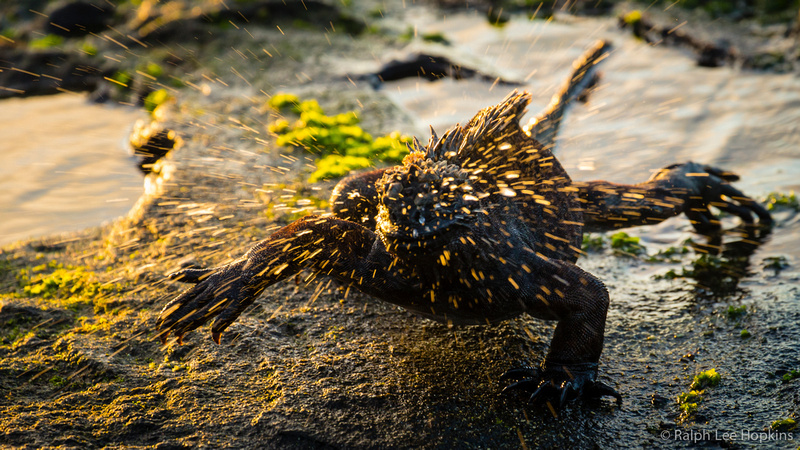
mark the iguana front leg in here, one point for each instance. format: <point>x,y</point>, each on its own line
<point>356,199</point>
<point>341,249</point>
<point>688,188</point>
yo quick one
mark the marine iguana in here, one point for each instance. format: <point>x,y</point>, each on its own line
<point>478,226</point>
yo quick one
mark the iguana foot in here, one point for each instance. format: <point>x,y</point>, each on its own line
<point>710,186</point>
<point>220,293</point>
<point>561,382</point>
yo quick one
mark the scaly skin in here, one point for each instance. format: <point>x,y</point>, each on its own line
<point>479,226</point>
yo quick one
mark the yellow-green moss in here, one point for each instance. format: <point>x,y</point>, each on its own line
<point>687,401</point>
<point>632,17</point>
<point>46,41</point>
<point>592,243</point>
<point>784,425</point>
<point>622,242</point>
<point>779,200</point>
<point>65,285</point>
<point>705,379</point>
<point>156,99</point>
<point>342,145</point>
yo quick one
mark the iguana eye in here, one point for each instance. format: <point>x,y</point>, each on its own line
<point>394,190</point>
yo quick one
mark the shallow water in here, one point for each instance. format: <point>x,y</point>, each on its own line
<point>64,166</point>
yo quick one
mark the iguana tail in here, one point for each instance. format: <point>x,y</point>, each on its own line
<point>545,126</point>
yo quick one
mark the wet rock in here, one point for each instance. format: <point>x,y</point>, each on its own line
<point>312,14</point>
<point>707,54</point>
<point>151,142</point>
<point>76,19</point>
<point>14,315</point>
<point>24,73</point>
<point>659,401</point>
<point>429,67</point>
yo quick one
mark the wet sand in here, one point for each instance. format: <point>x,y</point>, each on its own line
<point>65,165</point>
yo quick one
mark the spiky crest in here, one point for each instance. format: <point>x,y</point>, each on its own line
<point>483,134</point>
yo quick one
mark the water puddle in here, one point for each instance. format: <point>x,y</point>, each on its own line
<point>64,166</point>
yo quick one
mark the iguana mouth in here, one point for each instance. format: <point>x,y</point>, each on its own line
<point>436,235</point>
<point>428,233</point>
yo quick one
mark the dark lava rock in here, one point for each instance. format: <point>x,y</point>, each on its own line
<point>25,73</point>
<point>150,143</point>
<point>77,19</point>
<point>429,67</point>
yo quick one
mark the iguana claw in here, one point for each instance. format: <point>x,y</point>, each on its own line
<point>562,382</point>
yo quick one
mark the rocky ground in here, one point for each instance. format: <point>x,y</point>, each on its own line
<point>313,365</point>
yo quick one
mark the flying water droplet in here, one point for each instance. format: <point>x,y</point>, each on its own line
<point>507,192</point>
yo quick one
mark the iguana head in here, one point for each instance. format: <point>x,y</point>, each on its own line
<point>424,203</point>
<point>444,188</point>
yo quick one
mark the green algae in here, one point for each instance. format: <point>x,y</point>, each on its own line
<point>46,42</point>
<point>791,375</point>
<point>688,402</point>
<point>592,243</point>
<point>89,49</point>
<point>744,334</point>
<point>776,201</point>
<point>708,378</point>
<point>156,99</point>
<point>626,244</point>
<point>736,312</point>
<point>783,425</point>
<point>632,17</point>
<point>342,145</point>
<point>670,254</point>
<point>65,285</point>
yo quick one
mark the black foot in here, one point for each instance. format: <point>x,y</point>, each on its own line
<point>559,382</point>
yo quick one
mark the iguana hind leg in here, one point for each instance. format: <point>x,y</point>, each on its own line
<point>579,302</point>
<point>688,188</point>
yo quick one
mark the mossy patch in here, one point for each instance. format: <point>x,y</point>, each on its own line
<point>791,375</point>
<point>46,42</point>
<point>156,99</point>
<point>437,38</point>
<point>623,243</point>
<point>776,201</point>
<point>705,379</point>
<point>744,334</point>
<point>783,425</point>
<point>89,49</point>
<point>121,79</point>
<point>688,402</point>
<point>65,285</point>
<point>671,254</point>
<point>632,17</point>
<point>592,243</point>
<point>736,312</point>
<point>342,145</point>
